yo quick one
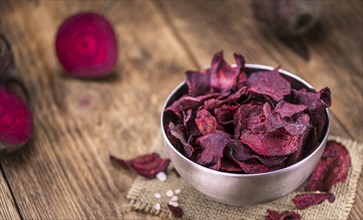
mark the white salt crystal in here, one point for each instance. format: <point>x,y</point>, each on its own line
<point>157,195</point>
<point>173,203</point>
<point>161,176</point>
<point>177,191</point>
<point>157,206</point>
<point>169,193</point>
<point>174,198</point>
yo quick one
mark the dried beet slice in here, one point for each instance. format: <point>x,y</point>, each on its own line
<point>146,165</point>
<point>241,152</point>
<point>269,83</point>
<point>286,109</point>
<point>198,82</point>
<point>188,102</point>
<point>285,215</point>
<point>206,122</point>
<point>224,114</point>
<point>228,165</point>
<point>313,100</point>
<point>252,166</point>
<point>332,168</point>
<point>176,211</point>
<point>212,146</point>
<point>304,201</point>
<point>277,143</point>
<point>224,76</point>
<point>249,117</point>
<point>178,132</point>
<point>294,126</point>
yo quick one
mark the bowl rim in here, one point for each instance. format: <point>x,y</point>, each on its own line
<point>240,175</point>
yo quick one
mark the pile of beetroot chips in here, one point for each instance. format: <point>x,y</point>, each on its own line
<point>234,122</point>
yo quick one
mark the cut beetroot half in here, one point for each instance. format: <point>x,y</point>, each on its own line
<point>146,165</point>
<point>86,45</point>
<point>16,121</point>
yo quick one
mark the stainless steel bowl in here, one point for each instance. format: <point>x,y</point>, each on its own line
<point>244,189</point>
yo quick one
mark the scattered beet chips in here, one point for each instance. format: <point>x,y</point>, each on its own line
<point>233,122</point>
<point>147,165</point>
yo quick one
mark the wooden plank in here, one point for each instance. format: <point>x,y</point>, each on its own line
<point>336,57</point>
<point>7,205</point>
<point>65,172</point>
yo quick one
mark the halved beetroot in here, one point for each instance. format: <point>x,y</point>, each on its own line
<point>86,45</point>
<point>16,121</point>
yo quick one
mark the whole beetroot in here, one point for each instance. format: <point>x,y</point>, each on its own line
<point>86,45</point>
<point>287,18</point>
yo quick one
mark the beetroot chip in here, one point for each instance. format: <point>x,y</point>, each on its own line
<point>241,152</point>
<point>206,122</point>
<point>176,211</point>
<point>224,114</point>
<point>285,215</point>
<point>228,165</point>
<point>269,83</point>
<point>249,117</point>
<point>313,100</point>
<point>277,143</point>
<point>332,168</point>
<point>224,76</point>
<point>285,109</point>
<point>147,165</point>
<point>198,82</point>
<point>188,102</point>
<point>304,201</point>
<point>252,167</point>
<point>212,146</point>
<point>178,132</point>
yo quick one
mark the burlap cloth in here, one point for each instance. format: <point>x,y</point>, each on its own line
<point>197,206</point>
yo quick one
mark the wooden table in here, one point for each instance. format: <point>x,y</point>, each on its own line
<point>65,172</point>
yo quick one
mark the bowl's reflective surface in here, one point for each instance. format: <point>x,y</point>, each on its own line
<point>244,189</point>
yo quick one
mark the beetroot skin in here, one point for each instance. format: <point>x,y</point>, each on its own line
<point>86,45</point>
<point>16,122</point>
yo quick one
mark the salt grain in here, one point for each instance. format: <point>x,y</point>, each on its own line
<point>173,203</point>
<point>161,176</point>
<point>174,199</point>
<point>177,191</point>
<point>157,206</point>
<point>169,193</point>
<point>157,195</point>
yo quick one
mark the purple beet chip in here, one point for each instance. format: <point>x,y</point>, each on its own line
<point>306,200</point>
<point>146,165</point>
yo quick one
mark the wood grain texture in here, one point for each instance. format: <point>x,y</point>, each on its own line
<point>64,172</point>
<point>7,204</point>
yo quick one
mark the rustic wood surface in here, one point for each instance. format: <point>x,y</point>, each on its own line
<point>65,173</point>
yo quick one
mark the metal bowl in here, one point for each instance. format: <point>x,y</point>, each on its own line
<point>244,189</point>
